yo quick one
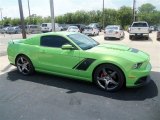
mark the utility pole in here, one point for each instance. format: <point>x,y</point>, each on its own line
<point>29,11</point>
<point>134,7</point>
<point>1,15</point>
<point>22,19</point>
<point>103,19</point>
<point>52,14</point>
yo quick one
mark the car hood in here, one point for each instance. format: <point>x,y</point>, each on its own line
<point>122,51</point>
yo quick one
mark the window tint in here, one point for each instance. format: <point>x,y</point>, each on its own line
<point>53,41</point>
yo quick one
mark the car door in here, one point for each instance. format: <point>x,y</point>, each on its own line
<point>53,58</point>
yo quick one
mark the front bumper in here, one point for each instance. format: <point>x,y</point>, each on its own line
<point>138,77</point>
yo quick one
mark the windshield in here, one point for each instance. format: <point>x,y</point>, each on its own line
<point>83,41</point>
<point>44,25</point>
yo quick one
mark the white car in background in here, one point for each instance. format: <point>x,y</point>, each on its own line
<point>73,29</point>
<point>88,30</point>
<point>47,27</point>
<point>139,29</point>
<point>113,31</point>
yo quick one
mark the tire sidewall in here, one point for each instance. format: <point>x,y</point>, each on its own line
<point>31,71</point>
<point>113,67</point>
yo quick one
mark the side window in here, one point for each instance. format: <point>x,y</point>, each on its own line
<point>53,41</point>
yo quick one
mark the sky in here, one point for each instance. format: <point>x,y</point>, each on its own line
<point>42,7</point>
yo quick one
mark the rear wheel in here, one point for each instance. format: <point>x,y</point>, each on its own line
<point>109,77</point>
<point>24,65</point>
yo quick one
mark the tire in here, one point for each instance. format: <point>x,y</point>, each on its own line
<point>146,38</point>
<point>108,77</point>
<point>130,37</point>
<point>105,38</point>
<point>98,33</point>
<point>24,65</point>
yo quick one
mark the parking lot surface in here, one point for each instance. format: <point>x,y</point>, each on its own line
<point>49,97</point>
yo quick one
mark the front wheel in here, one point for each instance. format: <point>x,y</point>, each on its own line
<point>24,65</point>
<point>109,77</point>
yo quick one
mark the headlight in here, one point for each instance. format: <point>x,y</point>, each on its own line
<point>137,65</point>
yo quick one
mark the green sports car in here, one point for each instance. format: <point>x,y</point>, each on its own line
<point>75,55</point>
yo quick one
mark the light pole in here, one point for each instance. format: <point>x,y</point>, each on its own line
<point>52,14</point>
<point>103,18</point>
<point>134,5</point>
<point>29,11</point>
<point>22,19</point>
<point>1,15</point>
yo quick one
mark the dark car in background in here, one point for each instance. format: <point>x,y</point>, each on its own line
<point>96,25</point>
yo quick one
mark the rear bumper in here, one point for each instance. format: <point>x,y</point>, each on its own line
<point>139,34</point>
<point>111,36</point>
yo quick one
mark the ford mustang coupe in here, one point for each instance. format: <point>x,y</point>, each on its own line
<point>78,56</point>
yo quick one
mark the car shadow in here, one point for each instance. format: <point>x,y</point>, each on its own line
<point>114,39</point>
<point>73,86</point>
<point>141,39</point>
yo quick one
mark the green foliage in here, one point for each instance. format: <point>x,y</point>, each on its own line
<point>123,16</point>
<point>147,12</point>
<point>146,8</point>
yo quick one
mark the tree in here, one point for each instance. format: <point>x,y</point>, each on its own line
<point>146,8</point>
<point>125,16</point>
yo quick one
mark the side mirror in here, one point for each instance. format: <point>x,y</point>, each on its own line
<point>67,47</point>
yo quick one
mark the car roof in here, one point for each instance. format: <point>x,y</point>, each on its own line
<point>63,33</point>
<point>113,26</point>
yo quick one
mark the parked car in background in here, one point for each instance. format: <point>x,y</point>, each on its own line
<point>6,29</point>
<point>33,29</point>
<point>151,28</point>
<point>113,31</point>
<point>129,28</point>
<point>47,27</point>
<point>81,27</point>
<point>95,25</point>
<point>158,33</point>
<point>91,31</point>
<point>2,31</point>
<point>73,29</point>
<point>14,30</point>
<point>139,29</point>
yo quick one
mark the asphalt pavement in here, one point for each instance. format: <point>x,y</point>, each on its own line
<point>50,97</point>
